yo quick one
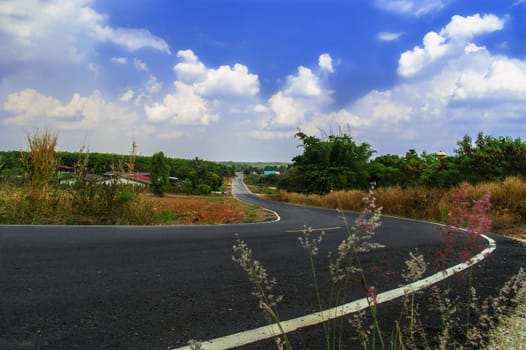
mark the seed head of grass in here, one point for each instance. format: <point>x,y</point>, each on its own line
<point>357,240</point>
<point>362,332</point>
<point>415,267</point>
<point>510,288</point>
<point>257,274</point>
<point>311,244</point>
<point>448,309</point>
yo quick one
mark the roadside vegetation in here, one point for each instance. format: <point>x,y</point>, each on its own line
<point>463,322</point>
<point>335,172</point>
<point>508,202</point>
<point>96,189</point>
<point>481,188</point>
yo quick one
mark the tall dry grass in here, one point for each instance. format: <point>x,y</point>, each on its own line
<point>464,324</point>
<point>508,200</point>
<point>41,165</point>
<point>347,200</point>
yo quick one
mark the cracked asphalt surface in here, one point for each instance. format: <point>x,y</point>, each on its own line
<point>133,287</point>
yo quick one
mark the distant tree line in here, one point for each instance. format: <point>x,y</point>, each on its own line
<point>193,176</point>
<point>256,167</point>
<point>339,163</point>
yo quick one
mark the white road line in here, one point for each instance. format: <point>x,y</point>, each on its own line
<point>234,194</point>
<point>266,332</point>
<point>315,229</point>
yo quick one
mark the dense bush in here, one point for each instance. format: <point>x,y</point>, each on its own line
<point>338,163</point>
<point>159,174</point>
<point>335,164</point>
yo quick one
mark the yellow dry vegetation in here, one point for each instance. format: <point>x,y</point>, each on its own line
<point>179,209</point>
<point>508,199</point>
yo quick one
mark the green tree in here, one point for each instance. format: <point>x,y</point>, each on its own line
<point>337,163</point>
<point>387,170</point>
<point>491,158</point>
<point>159,174</point>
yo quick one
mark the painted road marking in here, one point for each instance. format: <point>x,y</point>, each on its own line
<point>266,332</point>
<point>315,229</point>
<point>247,190</point>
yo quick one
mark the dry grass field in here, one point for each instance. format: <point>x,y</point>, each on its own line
<point>60,208</point>
<point>178,209</point>
<point>508,201</point>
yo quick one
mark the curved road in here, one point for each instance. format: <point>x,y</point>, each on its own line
<point>133,287</point>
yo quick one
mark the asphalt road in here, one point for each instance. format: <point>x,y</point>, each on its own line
<point>132,287</point>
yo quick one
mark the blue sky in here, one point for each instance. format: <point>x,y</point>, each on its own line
<point>234,80</point>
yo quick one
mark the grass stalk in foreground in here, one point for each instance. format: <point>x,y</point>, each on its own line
<point>263,288</point>
<point>457,329</point>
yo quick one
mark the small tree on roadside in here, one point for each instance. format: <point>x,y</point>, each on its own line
<point>159,174</point>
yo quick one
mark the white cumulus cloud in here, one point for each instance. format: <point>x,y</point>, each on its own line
<point>28,107</point>
<point>190,70</point>
<point>304,84</point>
<point>226,81</point>
<point>63,30</point>
<point>325,63</point>
<point>183,107</point>
<point>287,111</point>
<point>412,62</point>
<point>500,79</point>
<point>470,90</point>
<point>202,93</point>
<point>450,40</point>
<point>300,100</point>
<point>466,27</point>
<point>153,85</point>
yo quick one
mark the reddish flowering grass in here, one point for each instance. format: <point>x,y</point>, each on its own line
<point>507,213</point>
<point>465,223</point>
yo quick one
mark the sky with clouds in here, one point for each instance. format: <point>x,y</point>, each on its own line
<point>235,79</point>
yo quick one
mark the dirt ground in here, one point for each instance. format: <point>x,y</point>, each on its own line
<point>220,209</point>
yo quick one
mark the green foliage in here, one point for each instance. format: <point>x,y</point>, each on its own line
<point>200,177</point>
<point>387,170</point>
<point>486,159</point>
<point>159,174</point>
<point>187,186</point>
<point>166,216</point>
<point>324,166</point>
<point>202,189</point>
<point>100,163</point>
<point>491,158</point>
<point>335,164</point>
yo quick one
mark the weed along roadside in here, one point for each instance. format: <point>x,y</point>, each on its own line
<point>116,190</point>
<point>422,203</point>
<point>465,322</point>
<point>334,171</point>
